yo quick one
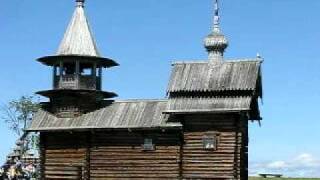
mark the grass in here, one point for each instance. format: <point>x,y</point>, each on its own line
<point>259,178</point>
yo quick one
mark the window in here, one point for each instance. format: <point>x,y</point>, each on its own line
<point>148,145</point>
<point>69,69</point>
<point>210,141</point>
<point>86,69</point>
<point>56,71</point>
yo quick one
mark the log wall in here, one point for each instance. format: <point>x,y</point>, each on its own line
<point>110,155</point>
<point>177,155</point>
<point>227,161</point>
<point>119,155</point>
<point>64,156</point>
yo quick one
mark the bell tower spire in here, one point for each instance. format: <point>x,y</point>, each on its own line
<point>216,43</point>
<point>77,70</point>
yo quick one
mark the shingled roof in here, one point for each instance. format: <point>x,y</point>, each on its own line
<point>78,39</point>
<point>208,104</point>
<point>228,76</point>
<point>213,105</point>
<point>119,115</point>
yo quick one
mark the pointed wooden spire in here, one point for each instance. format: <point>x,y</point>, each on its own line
<point>78,39</point>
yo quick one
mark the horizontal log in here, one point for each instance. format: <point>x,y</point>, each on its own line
<point>64,164</point>
<point>54,151</point>
<point>134,161</point>
<point>207,176</point>
<point>63,160</point>
<point>138,168</point>
<point>64,168</point>
<point>144,178</point>
<point>135,172</point>
<point>134,147</point>
<point>134,153</point>
<point>65,173</point>
<point>128,165</point>
<point>62,177</point>
<point>74,155</point>
<point>119,175</point>
<point>93,158</point>
<point>138,151</point>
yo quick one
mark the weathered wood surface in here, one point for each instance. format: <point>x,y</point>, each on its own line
<point>73,81</point>
<point>225,162</point>
<point>230,75</point>
<point>120,155</point>
<point>65,156</point>
<point>120,114</point>
<point>184,105</point>
<point>78,38</point>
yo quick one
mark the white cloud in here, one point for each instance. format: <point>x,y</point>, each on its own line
<point>277,165</point>
<point>304,165</point>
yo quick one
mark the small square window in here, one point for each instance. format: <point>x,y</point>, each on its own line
<point>148,145</point>
<point>209,142</point>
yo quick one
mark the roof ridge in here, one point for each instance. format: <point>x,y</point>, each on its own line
<point>226,61</point>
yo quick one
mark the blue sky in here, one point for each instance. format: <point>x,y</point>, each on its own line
<point>145,36</point>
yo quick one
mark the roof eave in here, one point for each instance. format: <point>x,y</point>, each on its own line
<point>54,60</point>
<point>206,111</point>
<point>90,128</point>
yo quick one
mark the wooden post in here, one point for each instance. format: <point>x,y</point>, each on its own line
<point>100,78</point>
<point>94,75</point>
<point>61,71</point>
<point>78,74</point>
<point>54,76</point>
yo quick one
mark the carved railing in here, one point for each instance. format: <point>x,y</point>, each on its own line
<point>87,82</point>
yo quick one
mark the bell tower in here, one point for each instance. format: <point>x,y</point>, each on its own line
<point>77,70</point>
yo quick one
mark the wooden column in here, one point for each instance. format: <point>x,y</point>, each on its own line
<point>94,75</point>
<point>54,76</point>
<point>78,74</point>
<point>60,72</point>
<point>100,78</point>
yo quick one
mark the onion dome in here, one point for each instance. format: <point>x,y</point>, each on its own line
<point>216,42</point>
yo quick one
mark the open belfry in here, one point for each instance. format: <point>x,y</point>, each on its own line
<point>199,131</point>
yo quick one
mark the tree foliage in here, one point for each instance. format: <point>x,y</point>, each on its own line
<point>18,113</point>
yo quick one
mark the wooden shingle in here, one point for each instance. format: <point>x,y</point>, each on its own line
<point>201,77</point>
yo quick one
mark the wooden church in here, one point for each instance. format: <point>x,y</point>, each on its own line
<point>199,131</point>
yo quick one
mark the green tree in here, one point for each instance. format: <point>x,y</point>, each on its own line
<point>18,113</point>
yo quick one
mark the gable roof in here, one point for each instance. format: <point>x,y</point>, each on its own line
<point>119,115</point>
<point>78,39</point>
<point>201,77</point>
